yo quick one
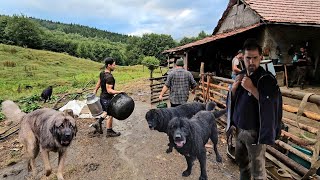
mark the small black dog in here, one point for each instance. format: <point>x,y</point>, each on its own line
<point>158,119</point>
<point>46,94</point>
<point>190,136</point>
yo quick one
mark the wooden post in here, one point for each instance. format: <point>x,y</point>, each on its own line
<point>286,75</point>
<point>186,61</point>
<point>206,96</point>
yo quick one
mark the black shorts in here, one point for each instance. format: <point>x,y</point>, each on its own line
<point>105,104</point>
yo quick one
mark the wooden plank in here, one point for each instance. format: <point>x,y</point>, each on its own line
<point>157,78</point>
<point>158,100</point>
<point>158,84</point>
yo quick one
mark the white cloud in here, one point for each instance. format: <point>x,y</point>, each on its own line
<point>176,17</point>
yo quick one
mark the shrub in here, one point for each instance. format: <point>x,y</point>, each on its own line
<point>9,64</point>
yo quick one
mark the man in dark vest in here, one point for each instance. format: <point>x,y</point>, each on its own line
<point>255,109</point>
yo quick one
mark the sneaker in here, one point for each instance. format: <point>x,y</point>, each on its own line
<point>112,133</point>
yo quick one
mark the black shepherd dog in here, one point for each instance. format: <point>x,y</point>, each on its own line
<point>46,94</point>
<point>158,119</point>
<point>189,137</point>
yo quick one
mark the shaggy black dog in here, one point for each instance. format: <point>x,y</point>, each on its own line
<point>191,135</point>
<point>158,119</point>
<point>46,94</point>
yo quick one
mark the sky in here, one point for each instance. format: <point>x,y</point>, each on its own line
<point>179,18</point>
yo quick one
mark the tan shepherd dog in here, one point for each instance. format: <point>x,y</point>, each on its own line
<point>45,130</point>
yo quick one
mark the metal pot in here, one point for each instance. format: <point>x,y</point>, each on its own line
<point>94,105</point>
<point>121,106</point>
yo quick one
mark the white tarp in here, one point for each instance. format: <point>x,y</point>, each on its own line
<point>75,105</point>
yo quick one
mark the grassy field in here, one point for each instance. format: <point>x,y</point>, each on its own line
<point>21,67</point>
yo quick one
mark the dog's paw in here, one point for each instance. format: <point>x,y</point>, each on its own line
<point>219,159</point>
<point>186,173</point>
<point>48,172</point>
<point>203,178</point>
<point>169,150</point>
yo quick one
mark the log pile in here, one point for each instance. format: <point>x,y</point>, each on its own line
<point>210,90</point>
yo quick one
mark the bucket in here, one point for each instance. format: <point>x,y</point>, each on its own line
<point>162,105</point>
<point>94,105</point>
<point>121,106</point>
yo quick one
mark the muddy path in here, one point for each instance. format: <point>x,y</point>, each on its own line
<point>138,153</point>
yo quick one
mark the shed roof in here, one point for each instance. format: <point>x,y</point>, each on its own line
<point>287,11</point>
<point>212,38</point>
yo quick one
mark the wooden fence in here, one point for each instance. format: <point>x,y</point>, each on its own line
<point>156,85</point>
<point>304,134</point>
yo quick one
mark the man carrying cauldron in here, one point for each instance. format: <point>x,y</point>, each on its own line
<point>106,82</point>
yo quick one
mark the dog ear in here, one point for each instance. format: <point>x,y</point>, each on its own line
<point>54,131</point>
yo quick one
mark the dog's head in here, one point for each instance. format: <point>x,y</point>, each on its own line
<point>64,128</point>
<point>180,131</point>
<point>152,119</point>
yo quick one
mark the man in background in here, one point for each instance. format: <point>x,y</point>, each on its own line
<point>179,81</point>
<point>237,64</point>
<point>107,83</point>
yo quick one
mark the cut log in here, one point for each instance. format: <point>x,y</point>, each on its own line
<point>293,150</point>
<point>308,114</point>
<point>296,139</point>
<point>302,126</point>
<point>299,95</point>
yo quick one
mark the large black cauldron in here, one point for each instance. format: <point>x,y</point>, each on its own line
<point>121,106</point>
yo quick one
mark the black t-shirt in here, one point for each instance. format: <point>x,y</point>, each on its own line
<point>106,78</point>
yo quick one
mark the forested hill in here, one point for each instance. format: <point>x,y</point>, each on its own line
<point>85,31</point>
<point>85,42</point>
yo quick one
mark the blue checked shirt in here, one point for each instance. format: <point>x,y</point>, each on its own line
<point>179,82</point>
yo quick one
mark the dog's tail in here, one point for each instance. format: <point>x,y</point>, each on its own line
<point>12,111</point>
<point>210,106</point>
<point>218,114</point>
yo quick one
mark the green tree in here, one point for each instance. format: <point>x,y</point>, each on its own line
<point>3,23</point>
<point>23,32</point>
<point>186,40</point>
<point>202,35</point>
<point>154,44</point>
<point>151,62</point>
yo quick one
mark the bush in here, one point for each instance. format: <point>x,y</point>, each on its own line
<point>9,64</point>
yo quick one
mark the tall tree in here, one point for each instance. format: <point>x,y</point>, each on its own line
<point>154,44</point>
<point>23,32</point>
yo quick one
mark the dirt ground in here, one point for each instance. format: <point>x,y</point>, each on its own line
<point>138,153</point>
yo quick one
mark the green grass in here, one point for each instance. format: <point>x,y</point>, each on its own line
<point>40,69</point>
